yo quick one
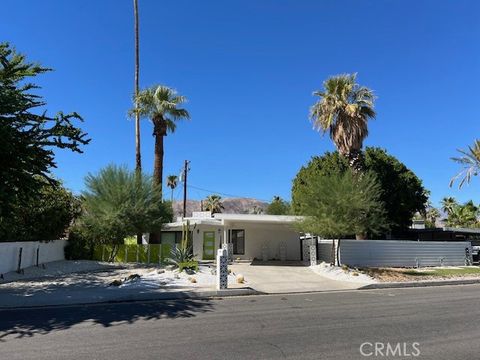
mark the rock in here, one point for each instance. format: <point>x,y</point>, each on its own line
<point>189,271</point>
<point>132,277</point>
<point>355,273</point>
<point>170,267</point>
<point>240,279</point>
<point>115,283</point>
<point>192,280</point>
<point>160,271</point>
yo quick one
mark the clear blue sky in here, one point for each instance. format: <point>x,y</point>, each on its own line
<point>248,69</point>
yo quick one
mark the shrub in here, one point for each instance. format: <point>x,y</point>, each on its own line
<point>191,265</point>
<point>79,246</point>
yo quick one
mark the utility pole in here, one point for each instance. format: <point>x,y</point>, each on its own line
<point>185,172</point>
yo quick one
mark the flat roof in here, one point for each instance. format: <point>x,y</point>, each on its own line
<point>221,219</point>
<point>258,218</point>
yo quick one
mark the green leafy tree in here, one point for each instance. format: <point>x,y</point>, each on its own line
<point>47,216</point>
<point>402,191</point>
<point>118,203</point>
<point>342,204</point>
<point>29,136</point>
<point>343,110</point>
<point>278,206</point>
<point>213,203</point>
<point>162,105</point>
<point>470,161</point>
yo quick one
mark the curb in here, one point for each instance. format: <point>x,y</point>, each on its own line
<point>177,295</point>
<point>413,284</point>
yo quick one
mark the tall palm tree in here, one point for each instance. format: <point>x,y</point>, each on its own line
<point>448,204</point>
<point>344,109</point>
<point>172,182</point>
<point>138,155</point>
<point>213,203</point>
<point>465,215</point>
<point>162,105</point>
<point>470,160</point>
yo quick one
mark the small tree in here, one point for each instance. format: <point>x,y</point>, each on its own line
<point>336,206</point>
<point>172,182</point>
<point>278,206</point>
<point>118,202</point>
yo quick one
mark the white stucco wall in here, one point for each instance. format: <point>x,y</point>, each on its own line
<point>198,238</point>
<point>49,251</point>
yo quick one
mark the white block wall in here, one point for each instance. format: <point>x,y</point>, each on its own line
<point>49,251</point>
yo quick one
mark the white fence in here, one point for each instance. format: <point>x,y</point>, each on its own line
<point>47,251</point>
<point>394,253</point>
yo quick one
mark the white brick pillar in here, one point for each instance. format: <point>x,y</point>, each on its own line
<point>222,269</point>
<point>227,246</point>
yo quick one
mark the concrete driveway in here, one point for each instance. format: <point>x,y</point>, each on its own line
<point>279,279</point>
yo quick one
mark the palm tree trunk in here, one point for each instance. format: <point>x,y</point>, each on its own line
<point>171,197</point>
<point>138,155</point>
<point>158,160</point>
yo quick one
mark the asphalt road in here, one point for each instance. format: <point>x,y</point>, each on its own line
<point>434,323</point>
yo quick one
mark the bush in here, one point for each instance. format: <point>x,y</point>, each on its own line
<point>78,247</point>
<point>191,265</point>
<point>43,216</point>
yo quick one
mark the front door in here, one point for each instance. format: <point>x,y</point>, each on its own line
<point>208,245</point>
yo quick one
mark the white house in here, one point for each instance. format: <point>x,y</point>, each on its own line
<point>252,236</point>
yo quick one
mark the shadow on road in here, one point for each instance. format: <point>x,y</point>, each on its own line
<point>29,322</point>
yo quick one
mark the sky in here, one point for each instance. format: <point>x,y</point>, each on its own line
<point>248,69</point>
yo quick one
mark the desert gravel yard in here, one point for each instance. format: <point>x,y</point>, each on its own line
<point>91,281</point>
<point>423,274</point>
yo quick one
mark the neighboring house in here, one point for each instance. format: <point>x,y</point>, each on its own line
<point>252,236</point>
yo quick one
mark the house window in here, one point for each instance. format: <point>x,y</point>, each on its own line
<point>238,241</point>
<point>172,237</point>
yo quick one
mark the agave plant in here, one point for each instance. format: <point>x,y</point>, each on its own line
<point>182,256</point>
